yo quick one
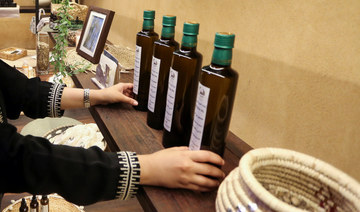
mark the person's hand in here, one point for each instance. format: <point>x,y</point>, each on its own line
<point>121,92</point>
<point>179,167</point>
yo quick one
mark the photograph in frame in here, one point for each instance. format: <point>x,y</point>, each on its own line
<point>94,33</point>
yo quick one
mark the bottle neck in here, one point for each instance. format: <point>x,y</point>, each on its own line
<point>148,25</point>
<point>168,32</point>
<point>221,57</point>
<point>189,42</point>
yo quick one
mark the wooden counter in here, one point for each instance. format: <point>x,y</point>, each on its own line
<point>124,128</point>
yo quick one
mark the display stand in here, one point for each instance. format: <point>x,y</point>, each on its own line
<point>10,12</point>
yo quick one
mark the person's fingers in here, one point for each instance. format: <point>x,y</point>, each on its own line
<point>125,86</point>
<point>196,187</point>
<point>129,100</point>
<point>207,156</point>
<point>128,85</point>
<point>208,170</point>
<point>204,181</point>
<point>177,148</point>
<point>128,94</point>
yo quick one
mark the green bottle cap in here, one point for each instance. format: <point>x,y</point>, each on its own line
<point>191,28</point>
<point>224,40</point>
<point>149,14</point>
<point>169,20</point>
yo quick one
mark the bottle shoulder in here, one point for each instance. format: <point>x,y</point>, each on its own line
<point>170,43</point>
<point>188,53</point>
<point>223,71</point>
<point>146,33</point>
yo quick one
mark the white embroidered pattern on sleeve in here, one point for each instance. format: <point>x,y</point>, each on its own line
<point>129,175</point>
<point>54,100</point>
<point>1,117</point>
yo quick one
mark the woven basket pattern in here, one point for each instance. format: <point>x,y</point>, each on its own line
<point>272,179</point>
<point>56,204</point>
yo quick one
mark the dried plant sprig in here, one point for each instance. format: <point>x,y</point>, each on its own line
<point>59,52</point>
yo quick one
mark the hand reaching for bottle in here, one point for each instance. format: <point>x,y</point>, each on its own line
<point>121,92</point>
<point>179,167</point>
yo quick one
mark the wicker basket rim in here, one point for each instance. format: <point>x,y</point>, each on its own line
<point>248,160</point>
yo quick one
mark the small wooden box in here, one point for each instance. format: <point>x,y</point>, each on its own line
<point>12,53</point>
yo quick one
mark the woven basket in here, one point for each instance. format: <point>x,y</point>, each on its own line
<point>12,53</point>
<point>56,204</point>
<point>77,10</point>
<point>272,179</point>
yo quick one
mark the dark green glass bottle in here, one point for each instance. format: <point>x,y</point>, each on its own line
<point>143,55</point>
<point>34,204</point>
<point>44,204</point>
<point>215,98</point>
<point>182,87</point>
<point>161,62</point>
<point>23,206</point>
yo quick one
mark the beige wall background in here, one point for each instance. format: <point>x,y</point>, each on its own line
<point>298,65</point>
<point>15,32</point>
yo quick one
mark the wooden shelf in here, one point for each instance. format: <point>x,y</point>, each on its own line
<point>124,128</point>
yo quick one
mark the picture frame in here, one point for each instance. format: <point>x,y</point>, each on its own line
<point>94,34</point>
<point>107,71</point>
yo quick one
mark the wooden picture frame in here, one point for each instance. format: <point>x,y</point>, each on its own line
<point>94,34</point>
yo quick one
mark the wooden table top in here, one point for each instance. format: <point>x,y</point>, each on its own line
<point>125,128</point>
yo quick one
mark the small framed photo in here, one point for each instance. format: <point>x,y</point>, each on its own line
<point>94,34</point>
<point>107,71</point>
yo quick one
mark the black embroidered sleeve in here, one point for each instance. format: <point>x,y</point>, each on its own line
<point>81,176</point>
<point>54,100</point>
<point>129,178</point>
<point>2,117</point>
<point>42,99</point>
<point>36,98</point>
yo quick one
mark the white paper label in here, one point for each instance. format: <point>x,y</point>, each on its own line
<point>155,68</point>
<point>170,99</point>
<point>202,99</point>
<point>137,69</point>
<point>44,208</point>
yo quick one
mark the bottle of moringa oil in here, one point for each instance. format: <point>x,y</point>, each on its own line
<point>44,204</point>
<point>182,86</point>
<point>34,204</point>
<point>161,62</point>
<point>23,206</point>
<point>143,55</point>
<point>215,98</point>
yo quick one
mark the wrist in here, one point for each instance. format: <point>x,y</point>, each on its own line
<point>96,97</point>
<point>145,169</point>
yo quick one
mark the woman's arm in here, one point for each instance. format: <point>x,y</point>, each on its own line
<point>38,99</point>
<point>84,176</point>
<point>35,98</point>
<point>74,97</point>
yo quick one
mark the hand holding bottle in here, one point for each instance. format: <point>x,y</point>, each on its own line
<point>121,92</point>
<point>178,167</point>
